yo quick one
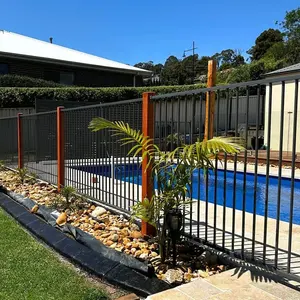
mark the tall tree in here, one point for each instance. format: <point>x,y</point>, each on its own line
<point>172,73</point>
<point>202,65</point>
<point>157,69</point>
<point>145,65</point>
<point>228,58</point>
<point>291,30</point>
<point>264,42</point>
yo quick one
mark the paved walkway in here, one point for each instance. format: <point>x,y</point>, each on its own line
<point>232,284</point>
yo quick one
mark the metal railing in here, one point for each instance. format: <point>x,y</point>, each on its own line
<point>248,205</point>
<point>96,163</point>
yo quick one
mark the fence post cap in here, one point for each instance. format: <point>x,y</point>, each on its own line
<point>149,93</point>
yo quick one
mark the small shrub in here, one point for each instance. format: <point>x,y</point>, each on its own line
<point>1,165</point>
<point>22,173</point>
<point>33,177</point>
<point>67,192</point>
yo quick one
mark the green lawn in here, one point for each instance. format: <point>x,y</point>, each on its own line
<point>30,271</point>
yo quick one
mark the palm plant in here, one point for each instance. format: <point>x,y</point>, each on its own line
<point>67,192</point>
<point>173,180</point>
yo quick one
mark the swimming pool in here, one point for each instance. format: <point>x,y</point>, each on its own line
<point>132,173</point>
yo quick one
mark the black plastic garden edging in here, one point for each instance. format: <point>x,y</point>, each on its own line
<point>82,251</point>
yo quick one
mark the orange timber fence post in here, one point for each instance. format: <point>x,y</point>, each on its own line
<point>147,180</point>
<point>20,141</point>
<point>210,100</point>
<point>60,148</point>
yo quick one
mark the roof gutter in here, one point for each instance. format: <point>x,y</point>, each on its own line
<point>279,74</point>
<point>73,64</point>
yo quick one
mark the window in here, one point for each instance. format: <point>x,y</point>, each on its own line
<point>3,69</point>
<point>66,78</point>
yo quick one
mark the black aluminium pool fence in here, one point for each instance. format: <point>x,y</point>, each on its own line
<point>248,206</point>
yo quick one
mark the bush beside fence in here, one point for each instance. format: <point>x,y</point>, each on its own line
<point>24,97</point>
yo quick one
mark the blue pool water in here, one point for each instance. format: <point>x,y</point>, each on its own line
<point>132,173</point>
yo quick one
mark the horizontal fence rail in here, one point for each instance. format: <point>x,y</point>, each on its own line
<point>248,204</point>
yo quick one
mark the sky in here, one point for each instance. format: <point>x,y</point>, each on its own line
<point>132,31</point>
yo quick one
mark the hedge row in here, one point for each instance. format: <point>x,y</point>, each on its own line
<point>25,81</point>
<point>24,97</point>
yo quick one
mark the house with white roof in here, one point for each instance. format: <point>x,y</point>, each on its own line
<point>23,55</point>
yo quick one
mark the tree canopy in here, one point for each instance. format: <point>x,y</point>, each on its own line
<point>273,49</point>
<point>291,30</point>
<point>264,42</point>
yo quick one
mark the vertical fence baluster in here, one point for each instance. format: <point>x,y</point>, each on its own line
<point>216,172</point>
<point>60,149</point>
<point>245,174</point>
<point>20,141</point>
<point>191,141</point>
<point>225,172</point>
<point>293,174</point>
<point>234,172</point>
<point>279,171</point>
<point>199,170</point>
<point>255,174</point>
<point>267,171</point>
<point>207,128</point>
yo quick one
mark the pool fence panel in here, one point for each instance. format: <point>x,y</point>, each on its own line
<point>248,205</point>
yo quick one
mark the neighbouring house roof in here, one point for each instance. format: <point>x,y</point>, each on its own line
<point>15,45</point>
<point>289,69</point>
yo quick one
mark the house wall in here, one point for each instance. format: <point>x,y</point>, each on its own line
<point>289,96</point>
<point>82,77</point>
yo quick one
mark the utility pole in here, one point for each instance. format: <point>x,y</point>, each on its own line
<point>193,70</point>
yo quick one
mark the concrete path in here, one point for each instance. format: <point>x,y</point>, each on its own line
<point>232,284</point>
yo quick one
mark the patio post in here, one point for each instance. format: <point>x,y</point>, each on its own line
<point>210,100</point>
<point>20,141</point>
<point>60,148</point>
<point>147,181</point>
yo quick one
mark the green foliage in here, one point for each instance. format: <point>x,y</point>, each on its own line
<point>291,24</point>
<point>228,59</point>
<point>18,97</point>
<point>239,74</point>
<point>67,192</point>
<point>293,51</point>
<point>276,52</point>
<point>264,42</point>
<point>176,71</point>
<point>156,69</point>
<point>172,180</point>
<point>256,70</point>
<point>175,137</point>
<point>33,177</point>
<point>291,31</point>
<point>25,81</point>
<point>173,72</point>
<point>22,173</point>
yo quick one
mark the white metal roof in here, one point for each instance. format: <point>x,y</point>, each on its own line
<point>293,68</point>
<point>17,45</point>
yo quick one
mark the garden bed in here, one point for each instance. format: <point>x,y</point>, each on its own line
<point>116,232</point>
